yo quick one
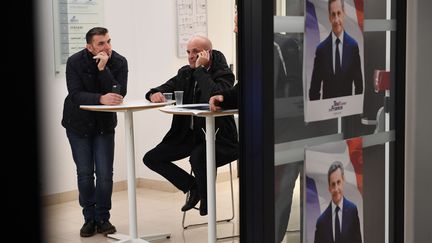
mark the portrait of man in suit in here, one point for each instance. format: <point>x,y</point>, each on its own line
<point>339,223</point>
<point>337,66</point>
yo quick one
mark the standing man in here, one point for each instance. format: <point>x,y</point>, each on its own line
<point>339,223</point>
<point>96,75</point>
<point>206,74</point>
<point>337,63</point>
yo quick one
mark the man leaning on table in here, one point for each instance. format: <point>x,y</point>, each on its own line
<point>206,74</point>
<point>96,75</point>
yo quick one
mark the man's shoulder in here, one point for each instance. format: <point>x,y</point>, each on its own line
<point>326,43</point>
<point>349,205</point>
<point>325,214</point>
<point>78,59</point>
<point>118,56</point>
<point>118,60</point>
<point>77,55</point>
<point>349,40</point>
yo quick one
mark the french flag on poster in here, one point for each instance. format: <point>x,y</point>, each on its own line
<point>318,160</point>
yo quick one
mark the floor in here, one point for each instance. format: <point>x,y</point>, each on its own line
<point>157,212</point>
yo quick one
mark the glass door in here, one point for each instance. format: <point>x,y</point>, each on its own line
<point>276,72</point>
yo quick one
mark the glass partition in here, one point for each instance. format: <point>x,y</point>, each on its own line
<point>375,124</point>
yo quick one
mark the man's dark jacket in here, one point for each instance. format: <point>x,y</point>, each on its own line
<point>86,84</point>
<point>217,78</point>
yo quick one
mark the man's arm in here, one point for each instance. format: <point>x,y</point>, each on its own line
<point>119,76</point>
<point>317,76</point>
<point>356,227</point>
<point>223,79</point>
<point>75,85</point>
<point>230,98</point>
<point>167,87</point>
<point>357,75</point>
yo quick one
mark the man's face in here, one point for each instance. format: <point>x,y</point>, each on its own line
<point>100,43</point>
<point>193,48</point>
<point>336,17</point>
<point>336,186</point>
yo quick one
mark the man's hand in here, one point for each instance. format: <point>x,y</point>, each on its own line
<point>215,101</point>
<point>111,99</point>
<point>157,97</point>
<point>203,59</point>
<point>101,60</point>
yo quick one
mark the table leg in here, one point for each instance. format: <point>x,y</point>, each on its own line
<point>130,158</point>
<point>211,178</point>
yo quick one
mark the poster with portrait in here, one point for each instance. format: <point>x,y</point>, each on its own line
<point>334,178</point>
<point>334,74</point>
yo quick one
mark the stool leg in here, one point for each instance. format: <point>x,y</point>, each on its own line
<point>218,221</point>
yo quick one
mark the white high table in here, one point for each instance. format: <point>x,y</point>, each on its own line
<point>210,153</point>
<point>128,108</point>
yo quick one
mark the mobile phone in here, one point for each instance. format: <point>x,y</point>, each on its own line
<point>116,88</point>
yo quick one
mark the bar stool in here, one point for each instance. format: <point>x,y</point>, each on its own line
<point>218,221</point>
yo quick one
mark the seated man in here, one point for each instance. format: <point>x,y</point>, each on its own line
<point>206,74</point>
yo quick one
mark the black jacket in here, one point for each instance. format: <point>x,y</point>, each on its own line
<point>208,82</point>
<point>86,84</point>
<point>230,98</point>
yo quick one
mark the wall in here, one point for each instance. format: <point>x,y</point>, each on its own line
<point>144,31</point>
<point>418,123</point>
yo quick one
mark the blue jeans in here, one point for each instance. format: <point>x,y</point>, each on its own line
<point>94,155</point>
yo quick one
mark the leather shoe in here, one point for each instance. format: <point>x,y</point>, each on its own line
<point>192,199</point>
<point>203,207</point>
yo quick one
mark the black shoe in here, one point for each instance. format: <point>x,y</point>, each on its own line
<point>203,207</point>
<point>88,229</point>
<point>192,200</point>
<point>105,227</point>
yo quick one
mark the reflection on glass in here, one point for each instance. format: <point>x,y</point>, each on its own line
<point>289,7</point>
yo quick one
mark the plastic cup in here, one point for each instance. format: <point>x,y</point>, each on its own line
<point>178,97</point>
<point>168,96</point>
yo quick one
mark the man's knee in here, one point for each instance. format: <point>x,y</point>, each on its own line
<point>149,159</point>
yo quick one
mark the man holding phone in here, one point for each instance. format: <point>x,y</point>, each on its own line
<point>206,74</point>
<point>91,75</point>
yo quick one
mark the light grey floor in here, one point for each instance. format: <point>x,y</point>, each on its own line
<point>157,212</point>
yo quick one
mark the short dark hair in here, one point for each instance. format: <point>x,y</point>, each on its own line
<point>330,2</point>
<point>95,31</point>
<point>333,167</point>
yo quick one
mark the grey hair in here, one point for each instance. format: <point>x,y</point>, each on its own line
<point>333,167</point>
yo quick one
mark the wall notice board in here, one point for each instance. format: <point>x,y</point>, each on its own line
<point>191,20</point>
<point>72,20</point>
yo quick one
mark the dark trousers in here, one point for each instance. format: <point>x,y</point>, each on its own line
<point>94,155</point>
<point>160,159</point>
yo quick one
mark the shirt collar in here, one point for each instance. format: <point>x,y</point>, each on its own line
<point>341,38</point>
<point>340,205</point>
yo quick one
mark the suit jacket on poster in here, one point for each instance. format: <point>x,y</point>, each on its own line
<point>350,225</point>
<point>336,85</point>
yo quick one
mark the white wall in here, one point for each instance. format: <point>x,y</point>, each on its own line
<point>144,31</point>
<point>418,163</point>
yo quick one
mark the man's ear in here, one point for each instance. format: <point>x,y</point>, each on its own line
<point>89,47</point>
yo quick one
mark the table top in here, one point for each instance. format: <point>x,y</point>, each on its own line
<point>134,105</point>
<point>196,110</point>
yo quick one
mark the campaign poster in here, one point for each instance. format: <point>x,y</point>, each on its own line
<point>334,183</point>
<point>334,72</point>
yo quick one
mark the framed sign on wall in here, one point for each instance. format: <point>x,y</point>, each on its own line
<point>191,20</point>
<point>72,20</point>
